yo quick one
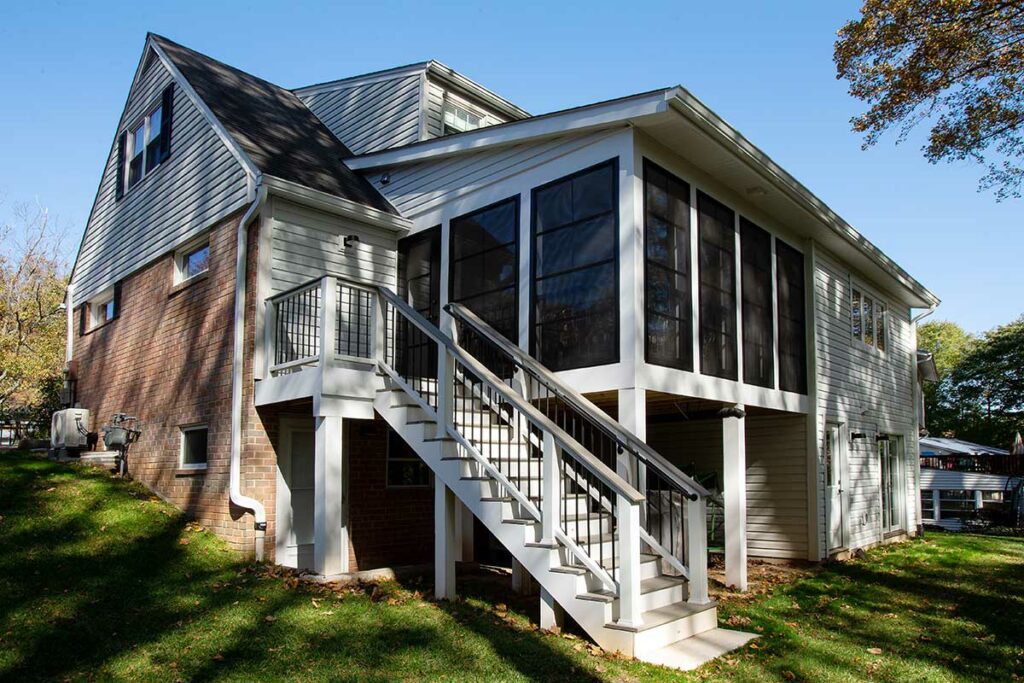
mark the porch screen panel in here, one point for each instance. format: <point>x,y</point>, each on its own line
<point>419,278</point>
<point>668,311</point>
<point>792,339</point>
<point>575,313</point>
<point>485,265</point>
<point>756,271</point>
<point>716,226</point>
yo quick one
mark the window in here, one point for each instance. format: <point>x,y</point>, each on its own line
<point>927,504</point>
<point>194,441</point>
<point>485,265</point>
<point>458,119</point>
<point>789,276</point>
<point>889,452</point>
<point>716,226</point>
<point>575,312</point>
<point>758,335</point>
<point>870,319</point>
<point>145,145</point>
<point>668,307</point>
<point>103,308</point>
<point>192,260</point>
<point>957,504</point>
<point>405,468</point>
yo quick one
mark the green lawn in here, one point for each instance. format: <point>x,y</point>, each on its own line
<point>99,580</point>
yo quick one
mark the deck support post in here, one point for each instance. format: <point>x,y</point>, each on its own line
<point>697,551</point>
<point>330,551</point>
<point>551,613</point>
<point>629,562</point>
<point>551,486</point>
<point>444,541</point>
<point>734,475</point>
<point>633,416</point>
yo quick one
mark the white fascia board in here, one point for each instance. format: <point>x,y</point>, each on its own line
<point>336,205</point>
<point>364,79</point>
<point>445,73</point>
<point>558,123</point>
<point>697,112</point>
<point>232,145</point>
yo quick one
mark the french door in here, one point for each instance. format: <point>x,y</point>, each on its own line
<point>892,491</point>
<point>836,496</point>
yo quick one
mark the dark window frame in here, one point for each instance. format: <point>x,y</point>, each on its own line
<point>415,463</point>
<point>767,284</point>
<point>686,364</point>
<point>613,162</point>
<point>517,203</point>
<point>781,247</point>
<point>724,373</point>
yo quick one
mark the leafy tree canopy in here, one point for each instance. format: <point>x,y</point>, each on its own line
<point>956,64</point>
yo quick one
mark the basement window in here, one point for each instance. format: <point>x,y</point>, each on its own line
<point>194,444</point>
<point>405,468</point>
<point>103,308</point>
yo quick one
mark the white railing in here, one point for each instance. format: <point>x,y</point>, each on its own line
<point>579,499</point>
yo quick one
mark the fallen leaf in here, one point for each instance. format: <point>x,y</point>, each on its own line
<point>182,541</point>
<point>789,675</point>
<point>270,618</point>
<point>219,657</point>
<point>874,650</point>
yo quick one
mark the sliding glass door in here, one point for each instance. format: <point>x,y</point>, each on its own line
<point>892,493</point>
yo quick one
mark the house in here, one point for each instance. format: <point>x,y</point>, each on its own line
<point>963,481</point>
<point>394,319</point>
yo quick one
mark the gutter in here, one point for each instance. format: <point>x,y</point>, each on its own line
<point>924,314</point>
<point>237,371</point>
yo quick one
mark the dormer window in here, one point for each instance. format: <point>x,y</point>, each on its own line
<point>459,119</point>
<point>145,144</point>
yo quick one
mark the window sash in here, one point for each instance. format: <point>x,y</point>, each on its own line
<point>717,251</point>
<point>195,443</point>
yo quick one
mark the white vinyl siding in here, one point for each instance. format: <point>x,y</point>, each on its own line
<point>308,243</point>
<point>199,185</point>
<point>776,474</point>
<point>371,116</point>
<point>416,188</point>
<point>869,392</point>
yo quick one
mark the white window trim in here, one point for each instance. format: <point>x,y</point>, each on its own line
<point>184,429</point>
<point>129,149</point>
<point>877,301</point>
<point>453,100</point>
<point>97,304</point>
<point>182,253</point>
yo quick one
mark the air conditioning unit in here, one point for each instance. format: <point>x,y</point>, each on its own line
<point>64,431</point>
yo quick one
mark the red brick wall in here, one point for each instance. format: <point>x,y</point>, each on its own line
<point>388,527</point>
<point>166,359</point>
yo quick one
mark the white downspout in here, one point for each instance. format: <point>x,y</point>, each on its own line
<point>237,371</point>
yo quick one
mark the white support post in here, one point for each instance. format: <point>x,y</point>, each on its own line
<point>379,327</point>
<point>552,615</point>
<point>330,554</point>
<point>734,474</point>
<point>629,562</point>
<point>551,486</point>
<point>445,390</point>
<point>444,541</point>
<point>328,319</point>
<point>269,338</point>
<point>697,551</point>
<point>633,416</point>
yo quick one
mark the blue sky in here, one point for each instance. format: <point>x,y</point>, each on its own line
<point>65,68</point>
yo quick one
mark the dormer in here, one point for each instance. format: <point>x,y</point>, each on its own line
<point>404,105</point>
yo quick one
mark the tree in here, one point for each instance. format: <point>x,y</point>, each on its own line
<point>948,344</point>
<point>33,279</point>
<point>991,378</point>
<point>957,64</point>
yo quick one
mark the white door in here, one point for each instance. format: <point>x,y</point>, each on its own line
<point>295,465</point>
<point>890,450</point>
<point>835,478</point>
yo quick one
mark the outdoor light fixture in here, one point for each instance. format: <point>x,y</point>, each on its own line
<point>858,435</point>
<point>881,437</point>
<point>385,178</point>
<point>349,239</point>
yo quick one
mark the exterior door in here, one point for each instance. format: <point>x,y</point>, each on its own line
<point>295,495</point>
<point>419,285</point>
<point>835,478</point>
<point>890,466</point>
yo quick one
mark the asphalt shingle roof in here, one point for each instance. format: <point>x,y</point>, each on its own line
<point>281,136</point>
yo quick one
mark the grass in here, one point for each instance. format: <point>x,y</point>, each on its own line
<point>101,581</point>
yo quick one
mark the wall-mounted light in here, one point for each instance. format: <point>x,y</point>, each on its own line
<point>854,436</point>
<point>881,437</point>
<point>349,239</point>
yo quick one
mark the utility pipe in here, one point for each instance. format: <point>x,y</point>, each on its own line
<point>237,372</point>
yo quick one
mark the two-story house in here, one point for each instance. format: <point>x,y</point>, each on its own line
<point>395,319</point>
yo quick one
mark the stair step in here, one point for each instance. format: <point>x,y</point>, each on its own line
<point>655,583</point>
<point>424,421</point>
<point>664,615</point>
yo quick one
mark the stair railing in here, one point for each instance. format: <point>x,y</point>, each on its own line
<point>680,539</point>
<point>557,467</point>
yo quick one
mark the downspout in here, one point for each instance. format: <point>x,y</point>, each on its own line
<point>923,314</point>
<point>237,372</point>
<point>919,406</point>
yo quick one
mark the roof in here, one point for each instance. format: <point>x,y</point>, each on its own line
<point>272,126</point>
<point>658,106</point>
<point>931,446</point>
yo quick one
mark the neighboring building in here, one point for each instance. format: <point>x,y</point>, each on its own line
<point>964,482</point>
<point>272,280</point>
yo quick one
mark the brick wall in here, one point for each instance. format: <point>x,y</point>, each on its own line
<point>166,359</point>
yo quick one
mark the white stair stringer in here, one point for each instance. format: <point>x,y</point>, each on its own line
<point>668,620</point>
